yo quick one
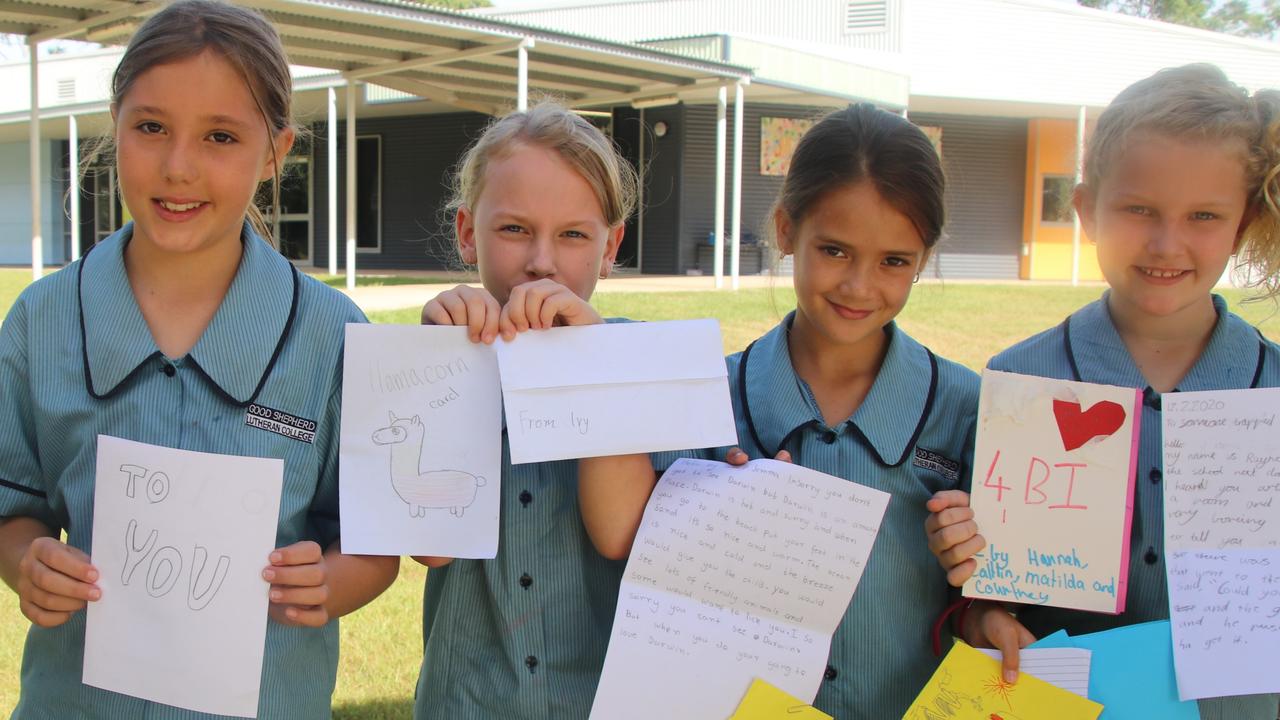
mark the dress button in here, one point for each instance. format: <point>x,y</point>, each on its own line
<point>1151,399</point>
<point>525,580</point>
<point>531,662</point>
<point>1151,556</point>
<point>1155,475</point>
<point>829,437</point>
<point>526,497</point>
<point>168,370</point>
<point>831,673</point>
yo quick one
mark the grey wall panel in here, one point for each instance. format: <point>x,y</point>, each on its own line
<point>418,154</point>
<point>985,161</point>
<point>698,188</point>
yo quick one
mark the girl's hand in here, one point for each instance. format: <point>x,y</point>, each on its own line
<point>953,534</point>
<point>737,456</point>
<point>989,624</point>
<point>464,305</point>
<point>299,581</point>
<point>432,561</point>
<point>55,580</point>
<point>539,304</point>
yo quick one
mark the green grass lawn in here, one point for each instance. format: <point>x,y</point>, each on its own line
<point>382,644</point>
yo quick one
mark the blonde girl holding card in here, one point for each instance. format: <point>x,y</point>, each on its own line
<point>838,387</point>
<point>1181,174</point>
<point>541,201</point>
<point>169,332</point>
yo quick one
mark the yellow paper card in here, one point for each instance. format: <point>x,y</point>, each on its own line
<point>766,702</point>
<point>968,686</point>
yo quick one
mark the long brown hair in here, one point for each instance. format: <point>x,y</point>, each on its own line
<point>243,38</point>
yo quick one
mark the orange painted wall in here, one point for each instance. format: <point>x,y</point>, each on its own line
<point>1051,149</point>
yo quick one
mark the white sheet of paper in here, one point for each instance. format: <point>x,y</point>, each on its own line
<point>736,573</point>
<point>1053,491</point>
<point>615,389</point>
<point>1222,539</point>
<point>421,445</point>
<point>1067,668</point>
<point>180,539</point>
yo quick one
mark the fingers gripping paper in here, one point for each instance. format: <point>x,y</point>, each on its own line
<point>735,574</point>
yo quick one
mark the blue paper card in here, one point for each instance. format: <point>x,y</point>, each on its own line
<point>1131,672</point>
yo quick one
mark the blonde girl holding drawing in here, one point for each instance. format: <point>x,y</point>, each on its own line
<point>170,332</point>
<point>838,387</point>
<point>541,202</point>
<point>1182,173</point>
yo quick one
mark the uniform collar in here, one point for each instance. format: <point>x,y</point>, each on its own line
<point>1097,354</point>
<point>888,422</point>
<point>237,350</point>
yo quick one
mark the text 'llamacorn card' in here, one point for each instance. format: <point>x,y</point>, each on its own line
<point>1052,491</point>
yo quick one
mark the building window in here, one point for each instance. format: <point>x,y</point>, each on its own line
<point>294,230</point>
<point>862,16</point>
<point>778,140</point>
<point>1055,204</point>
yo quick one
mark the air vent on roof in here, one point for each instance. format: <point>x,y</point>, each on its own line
<point>66,90</point>
<point>865,15</point>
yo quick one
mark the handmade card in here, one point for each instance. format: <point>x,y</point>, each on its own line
<point>1222,539</point>
<point>421,442</point>
<point>180,540</point>
<point>615,389</point>
<point>1052,491</point>
<point>736,574</point>
<point>969,685</point>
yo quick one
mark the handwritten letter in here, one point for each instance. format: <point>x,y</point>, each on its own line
<point>1222,536</point>
<point>421,442</point>
<point>736,574</point>
<point>614,389</point>
<point>180,539</point>
<point>1053,491</point>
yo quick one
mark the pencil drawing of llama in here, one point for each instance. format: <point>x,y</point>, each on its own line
<point>453,489</point>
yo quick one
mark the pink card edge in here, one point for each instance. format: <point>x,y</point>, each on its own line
<point>1122,583</point>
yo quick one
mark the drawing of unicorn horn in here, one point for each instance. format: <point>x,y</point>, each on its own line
<point>422,490</point>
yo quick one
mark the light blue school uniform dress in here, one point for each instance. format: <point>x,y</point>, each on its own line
<point>911,437</point>
<point>522,636</point>
<point>77,359</point>
<point>1087,347</point>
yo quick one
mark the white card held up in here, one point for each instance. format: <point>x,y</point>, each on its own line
<point>180,539</point>
<point>1052,491</point>
<point>1222,540</point>
<point>615,389</point>
<point>421,445</point>
<point>735,574</point>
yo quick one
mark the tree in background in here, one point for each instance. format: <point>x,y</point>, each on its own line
<point>1256,19</point>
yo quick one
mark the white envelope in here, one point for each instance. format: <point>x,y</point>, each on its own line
<point>615,389</point>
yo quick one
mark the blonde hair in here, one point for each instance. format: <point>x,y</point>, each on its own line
<point>240,36</point>
<point>1199,102</point>
<point>552,126</point>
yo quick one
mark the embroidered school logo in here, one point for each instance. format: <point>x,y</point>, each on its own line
<point>280,423</point>
<point>930,460</point>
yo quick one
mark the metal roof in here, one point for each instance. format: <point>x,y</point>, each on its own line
<point>447,57</point>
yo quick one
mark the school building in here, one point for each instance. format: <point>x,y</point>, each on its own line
<point>705,97</point>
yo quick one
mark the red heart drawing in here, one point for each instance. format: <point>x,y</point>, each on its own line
<point>1077,427</point>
